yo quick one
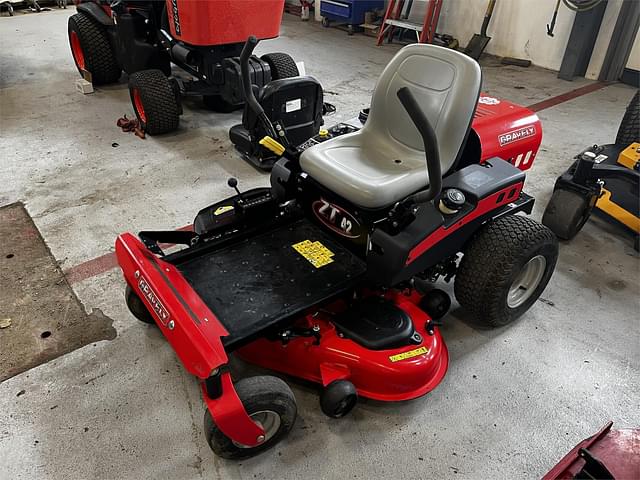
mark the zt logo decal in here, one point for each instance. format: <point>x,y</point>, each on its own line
<point>153,300</point>
<point>336,218</point>
<point>515,135</point>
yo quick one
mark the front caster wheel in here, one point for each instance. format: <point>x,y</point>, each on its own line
<point>436,303</point>
<point>326,22</point>
<point>269,402</point>
<point>136,306</point>
<point>155,101</point>
<point>567,212</point>
<point>505,268</point>
<point>338,398</point>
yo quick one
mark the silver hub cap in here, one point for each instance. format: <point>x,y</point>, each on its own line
<point>526,281</point>
<point>269,421</point>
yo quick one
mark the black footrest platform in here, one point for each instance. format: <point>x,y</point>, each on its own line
<point>257,283</point>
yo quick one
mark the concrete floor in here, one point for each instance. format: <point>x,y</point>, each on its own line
<point>514,399</point>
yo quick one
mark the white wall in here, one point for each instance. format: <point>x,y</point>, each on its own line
<point>634,58</point>
<point>518,29</point>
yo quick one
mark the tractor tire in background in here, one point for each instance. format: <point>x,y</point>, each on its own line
<point>154,101</point>
<point>281,65</point>
<point>218,104</point>
<point>629,130</point>
<point>505,268</point>
<point>567,212</point>
<point>91,49</point>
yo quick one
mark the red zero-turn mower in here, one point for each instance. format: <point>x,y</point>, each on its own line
<point>204,39</point>
<point>327,275</point>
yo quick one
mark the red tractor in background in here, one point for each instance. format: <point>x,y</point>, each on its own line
<point>204,39</point>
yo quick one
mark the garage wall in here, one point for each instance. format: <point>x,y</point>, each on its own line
<point>518,29</point>
<point>634,58</point>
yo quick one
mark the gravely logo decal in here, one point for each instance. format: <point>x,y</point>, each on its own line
<point>176,18</point>
<point>515,135</point>
<point>151,297</point>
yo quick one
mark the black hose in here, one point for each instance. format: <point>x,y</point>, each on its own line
<point>249,96</point>
<point>431,151</point>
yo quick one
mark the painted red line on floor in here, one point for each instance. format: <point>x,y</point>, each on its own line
<point>101,264</point>
<point>565,97</point>
<point>106,262</point>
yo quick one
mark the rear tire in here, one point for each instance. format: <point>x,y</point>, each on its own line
<point>493,265</point>
<point>566,213</point>
<point>136,306</point>
<point>269,401</point>
<point>281,65</point>
<point>629,130</point>
<point>154,101</point>
<point>91,49</point>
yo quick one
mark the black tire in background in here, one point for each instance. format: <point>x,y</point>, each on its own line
<point>629,130</point>
<point>137,307</point>
<point>259,395</point>
<point>493,262</point>
<point>154,101</point>
<point>281,65</point>
<point>219,104</point>
<point>566,213</point>
<point>97,56</point>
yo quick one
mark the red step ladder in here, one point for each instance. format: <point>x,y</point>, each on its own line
<point>395,18</point>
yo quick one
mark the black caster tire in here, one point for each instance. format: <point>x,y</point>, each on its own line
<point>154,101</point>
<point>566,213</point>
<point>269,401</point>
<point>338,398</point>
<point>91,49</point>
<point>629,130</point>
<point>350,30</point>
<point>326,23</point>
<point>137,308</point>
<point>505,268</point>
<point>436,303</point>
<point>219,104</point>
<point>281,65</point>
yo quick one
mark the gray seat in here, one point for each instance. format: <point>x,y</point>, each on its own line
<point>384,161</point>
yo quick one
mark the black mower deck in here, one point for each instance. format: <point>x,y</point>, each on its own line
<point>253,285</point>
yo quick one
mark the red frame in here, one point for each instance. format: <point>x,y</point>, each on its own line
<point>494,118</point>
<point>221,22</point>
<point>191,328</point>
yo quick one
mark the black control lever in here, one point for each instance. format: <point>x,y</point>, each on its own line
<point>431,150</point>
<point>247,86</point>
<point>233,183</point>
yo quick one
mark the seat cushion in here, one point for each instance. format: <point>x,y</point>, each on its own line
<point>367,172</point>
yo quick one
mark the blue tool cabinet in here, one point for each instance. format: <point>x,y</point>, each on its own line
<point>349,12</point>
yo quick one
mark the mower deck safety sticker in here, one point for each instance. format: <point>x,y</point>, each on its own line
<point>410,354</point>
<point>223,209</point>
<point>315,252</point>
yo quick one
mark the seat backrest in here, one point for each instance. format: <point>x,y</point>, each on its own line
<point>446,84</point>
<point>295,102</point>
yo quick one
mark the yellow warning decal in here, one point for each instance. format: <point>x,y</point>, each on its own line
<point>223,209</point>
<point>410,354</point>
<point>315,252</point>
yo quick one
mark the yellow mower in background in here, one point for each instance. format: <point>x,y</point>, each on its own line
<point>604,178</point>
